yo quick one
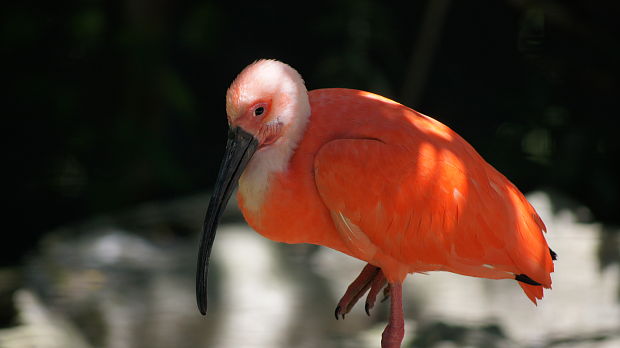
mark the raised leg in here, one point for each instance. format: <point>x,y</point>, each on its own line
<point>395,330</point>
<point>357,289</point>
<point>375,287</point>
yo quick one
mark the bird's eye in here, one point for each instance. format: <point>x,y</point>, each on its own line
<point>259,111</point>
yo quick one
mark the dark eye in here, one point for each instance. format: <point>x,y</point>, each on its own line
<point>259,111</point>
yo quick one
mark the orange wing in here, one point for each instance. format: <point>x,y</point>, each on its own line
<point>428,201</point>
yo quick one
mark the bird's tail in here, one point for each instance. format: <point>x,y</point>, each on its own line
<point>533,292</point>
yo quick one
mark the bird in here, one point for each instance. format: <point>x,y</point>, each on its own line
<point>369,177</point>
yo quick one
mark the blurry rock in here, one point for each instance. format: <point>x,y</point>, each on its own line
<point>39,327</point>
<point>127,280</point>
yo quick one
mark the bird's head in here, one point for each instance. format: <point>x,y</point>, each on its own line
<point>267,107</point>
<point>267,99</point>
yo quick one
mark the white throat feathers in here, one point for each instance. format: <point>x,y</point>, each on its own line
<point>291,109</point>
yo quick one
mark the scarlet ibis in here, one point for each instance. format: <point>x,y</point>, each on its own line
<point>374,179</point>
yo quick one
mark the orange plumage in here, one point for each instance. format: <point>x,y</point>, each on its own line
<point>362,174</point>
<point>420,193</point>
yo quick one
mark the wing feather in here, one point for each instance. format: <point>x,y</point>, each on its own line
<point>433,205</point>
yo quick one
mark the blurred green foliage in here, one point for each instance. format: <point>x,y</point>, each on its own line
<point>111,103</point>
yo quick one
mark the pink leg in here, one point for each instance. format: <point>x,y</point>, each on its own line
<point>375,287</point>
<point>395,330</point>
<point>357,289</point>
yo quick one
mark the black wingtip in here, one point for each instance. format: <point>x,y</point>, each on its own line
<point>525,279</point>
<point>554,256</point>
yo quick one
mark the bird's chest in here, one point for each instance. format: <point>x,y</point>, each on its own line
<point>285,207</point>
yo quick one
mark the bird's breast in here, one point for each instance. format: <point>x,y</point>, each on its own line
<point>284,205</point>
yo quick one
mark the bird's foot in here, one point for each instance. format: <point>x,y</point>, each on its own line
<point>378,283</point>
<point>371,278</point>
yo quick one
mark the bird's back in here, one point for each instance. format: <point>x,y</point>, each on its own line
<point>420,193</point>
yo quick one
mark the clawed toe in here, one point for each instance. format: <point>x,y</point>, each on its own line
<point>386,293</point>
<point>356,290</point>
<point>378,283</point>
<point>371,278</point>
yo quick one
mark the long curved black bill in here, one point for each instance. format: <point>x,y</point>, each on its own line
<point>239,150</point>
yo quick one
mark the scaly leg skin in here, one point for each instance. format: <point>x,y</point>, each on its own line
<point>371,278</point>
<point>375,287</point>
<point>356,290</point>
<point>395,330</point>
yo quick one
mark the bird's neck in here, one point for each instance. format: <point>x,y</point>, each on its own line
<point>256,179</point>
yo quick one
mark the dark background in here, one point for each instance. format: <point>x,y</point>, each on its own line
<point>113,103</point>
